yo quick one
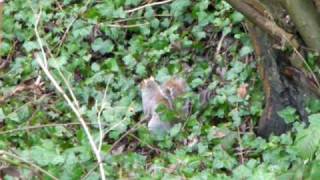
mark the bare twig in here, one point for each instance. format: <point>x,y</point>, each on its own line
<point>89,173</point>
<point>126,26</point>
<point>34,88</point>
<point>59,5</point>
<point>240,147</point>
<point>263,22</point>
<point>5,153</point>
<point>42,64</point>
<point>147,5</point>
<point>134,128</point>
<point>75,101</point>
<point>103,106</point>
<point>220,44</point>
<point>40,126</point>
<point>75,18</point>
<point>139,18</point>
<point>148,145</point>
<point>116,125</point>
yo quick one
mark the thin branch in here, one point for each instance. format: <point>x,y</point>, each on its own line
<point>41,63</point>
<point>116,125</point>
<point>263,22</point>
<point>75,101</point>
<point>19,89</point>
<point>75,18</point>
<point>126,26</point>
<point>139,18</point>
<point>220,44</point>
<point>133,129</point>
<point>240,146</point>
<point>103,106</point>
<point>89,173</point>
<point>40,126</point>
<point>148,145</point>
<point>306,18</point>
<point>5,153</point>
<point>147,5</point>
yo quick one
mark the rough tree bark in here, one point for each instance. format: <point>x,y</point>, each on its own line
<point>287,79</point>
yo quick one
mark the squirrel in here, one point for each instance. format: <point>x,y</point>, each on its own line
<point>153,95</point>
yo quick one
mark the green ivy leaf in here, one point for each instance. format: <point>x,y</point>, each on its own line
<point>102,46</point>
<point>245,50</point>
<point>288,114</point>
<point>307,140</point>
<point>179,6</point>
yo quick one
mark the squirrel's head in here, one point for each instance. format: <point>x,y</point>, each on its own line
<point>149,83</point>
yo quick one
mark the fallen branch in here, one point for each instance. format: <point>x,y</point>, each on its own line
<point>147,5</point>
<point>263,22</point>
<point>35,88</point>
<point>133,129</point>
<point>5,153</point>
<point>75,18</point>
<point>40,126</point>
<point>43,64</point>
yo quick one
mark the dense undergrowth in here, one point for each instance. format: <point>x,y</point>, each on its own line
<point>104,50</point>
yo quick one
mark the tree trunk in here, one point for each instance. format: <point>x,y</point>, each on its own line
<point>287,79</point>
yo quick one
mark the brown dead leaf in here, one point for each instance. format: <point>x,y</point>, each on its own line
<point>219,134</point>
<point>118,150</point>
<point>243,90</point>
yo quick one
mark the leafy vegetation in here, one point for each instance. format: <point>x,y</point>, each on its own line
<point>104,49</point>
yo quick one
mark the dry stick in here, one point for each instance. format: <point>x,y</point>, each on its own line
<point>306,64</point>
<point>220,44</point>
<point>134,128</point>
<point>126,26</point>
<point>99,115</point>
<point>263,22</point>
<point>41,63</point>
<point>2,152</point>
<point>41,126</point>
<point>148,145</point>
<point>75,101</point>
<point>64,36</point>
<point>89,173</point>
<point>240,146</point>
<point>147,5</point>
<point>116,125</point>
<point>270,27</point>
<point>139,18</point>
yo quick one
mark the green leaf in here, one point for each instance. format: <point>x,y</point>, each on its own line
<point>245,50</point>
<point>179,6</point>
<point>288,114</point>
<point>30,46</point>
<point>175,129</point>
<point>102,46</point>
<point>95,67</point>
<point>237,17</point>
<point>196,82</point>
<point>111,64</point>
<point>2,115</point>
<point>129,60</point>
<point>307,140</point>
<point>133,2</point>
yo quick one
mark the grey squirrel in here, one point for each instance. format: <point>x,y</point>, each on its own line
<point>153,95</point>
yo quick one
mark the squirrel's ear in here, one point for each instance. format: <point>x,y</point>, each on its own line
<point>151,78</point>
<point>142,84</point>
